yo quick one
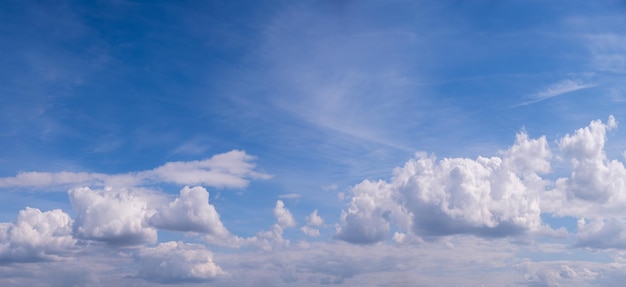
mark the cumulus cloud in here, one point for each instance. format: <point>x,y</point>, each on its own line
<point>367,218</point>
<point>497,196</point>
<point>273,236</point>
<point>190,212</point>
<point>597,185</point>
<point>36,236</point>
<point>111,215</point>
<point>312,220</point>
<point>172,262</point>
<point>601,233</point>
<point>231,169</point>
<point>283,216</point>
<point>593,178</point>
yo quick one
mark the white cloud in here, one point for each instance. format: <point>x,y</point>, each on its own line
<point>114,216</point>
<point>314,219</point>
<point>36,236</point>
<point>232,169</point>
<point>367,217</point>
<point>486,197</point>
<point>601,233</point>
<point>310,231</point>
<point>174,262</point>
<point>283,216</point>
<point>597,185</point>
<point>190,212</point>
<point>273,236</point>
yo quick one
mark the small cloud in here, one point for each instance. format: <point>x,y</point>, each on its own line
<point>310,231</point>
<point>314,219</point>
<point>283,217</point>
<point>330,187</point>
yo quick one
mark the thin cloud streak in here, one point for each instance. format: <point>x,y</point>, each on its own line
<point>554,90</point>
<point>231,169</point>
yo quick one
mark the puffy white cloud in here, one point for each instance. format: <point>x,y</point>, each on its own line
<point>312,220</point>
<point>597,185</point>
<point>36,236</point>
<point>310,231</point>
<point>593,178</point>
<point>367,218</point>
<point>190,212</point>
<point>283,216</point>
<point>231,169</point>
<point>497,196</point>
<point>601,233</point>
<point>172,262</point>
<point>111,215</point>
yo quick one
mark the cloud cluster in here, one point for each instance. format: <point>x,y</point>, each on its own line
<point>36,236</point>
<point>312,220</point>
<point>190,212</point>
<point>493,197</point>
<point>113,216</point>
<point>499,196</point>
<point>427,201</point>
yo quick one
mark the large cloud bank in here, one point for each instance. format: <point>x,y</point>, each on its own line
<point>428,200</point>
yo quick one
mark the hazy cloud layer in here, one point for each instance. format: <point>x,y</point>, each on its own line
<point>173,262</point>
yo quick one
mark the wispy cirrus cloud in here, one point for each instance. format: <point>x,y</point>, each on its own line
<point>556,89</point>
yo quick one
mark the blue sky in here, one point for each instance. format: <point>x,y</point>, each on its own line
<point>283,143</point>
